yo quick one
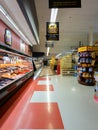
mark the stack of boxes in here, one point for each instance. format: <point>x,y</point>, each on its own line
<point>66,65</point>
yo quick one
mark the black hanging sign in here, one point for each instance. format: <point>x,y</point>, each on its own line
<point>64,3</point>
<point>52,31</point>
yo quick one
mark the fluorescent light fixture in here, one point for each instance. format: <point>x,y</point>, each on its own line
<point>54,12</point>
<point>2,10</point>
<point>32,23</point>
<point>58,55</point>
<point>53,16</point>
<point>48,48</point>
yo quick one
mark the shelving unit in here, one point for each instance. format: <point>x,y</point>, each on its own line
<point>86,63</point>
<point>15,69</point>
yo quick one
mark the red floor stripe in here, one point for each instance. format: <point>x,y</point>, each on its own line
<point>42,116</point>
<point>19,113</point>
<point>16,105</point>
<point>43,78</point>
<point>44,88</point>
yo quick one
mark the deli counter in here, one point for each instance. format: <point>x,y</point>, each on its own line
<point>15,69</point>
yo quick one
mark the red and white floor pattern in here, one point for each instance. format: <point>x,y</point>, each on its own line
<point>27,114</point>
<point>53,102</point>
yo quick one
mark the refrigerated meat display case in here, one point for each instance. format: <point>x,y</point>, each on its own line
<point>15,68</point>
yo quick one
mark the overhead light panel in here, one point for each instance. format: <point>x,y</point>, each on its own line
<point>58,55</point>
<point>53,16</point>
<point>48,48</point>
<point>2,10</point>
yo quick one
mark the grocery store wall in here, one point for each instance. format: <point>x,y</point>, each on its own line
<point>71,41</point>
<point>15,38</point>
<point>95,37</point>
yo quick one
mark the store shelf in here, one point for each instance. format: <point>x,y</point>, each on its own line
<point>86,63</point>
<point>85,48</point>
<point>89,84</point>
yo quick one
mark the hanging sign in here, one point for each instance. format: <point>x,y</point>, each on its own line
<point>52,31</point>
<point>49,44</point>
<point>64,3</point>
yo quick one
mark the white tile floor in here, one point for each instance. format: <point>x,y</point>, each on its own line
<point>78,109</point>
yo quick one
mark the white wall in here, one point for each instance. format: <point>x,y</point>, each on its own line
<point>70,41</point>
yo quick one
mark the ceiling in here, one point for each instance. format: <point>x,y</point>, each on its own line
<point>75,24</point>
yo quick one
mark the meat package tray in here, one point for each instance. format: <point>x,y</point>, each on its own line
<point>5,81</point>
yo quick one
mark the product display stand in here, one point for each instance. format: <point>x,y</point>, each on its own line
<point>86,63</point>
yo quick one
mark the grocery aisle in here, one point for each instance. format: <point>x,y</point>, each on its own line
<point>51,102</point>
<point>46,71</point>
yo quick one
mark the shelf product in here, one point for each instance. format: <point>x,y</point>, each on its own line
<point>15,69</point>
<point>86,64</point>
